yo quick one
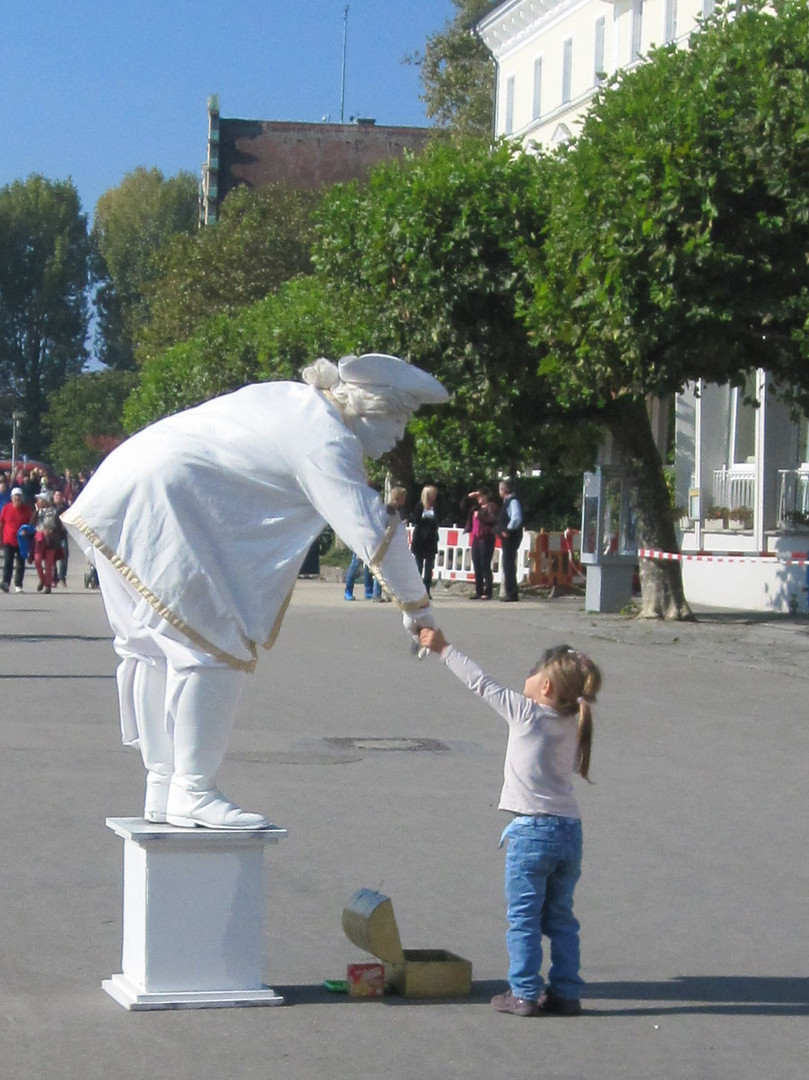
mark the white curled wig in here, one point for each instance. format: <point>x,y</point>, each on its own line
<point>355,400</point>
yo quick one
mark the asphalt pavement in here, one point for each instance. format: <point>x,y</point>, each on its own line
<point>386,773</point>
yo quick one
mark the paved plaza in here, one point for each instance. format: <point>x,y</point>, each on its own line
<point>694,900</point>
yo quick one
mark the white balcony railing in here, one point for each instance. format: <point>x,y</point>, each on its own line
<point>793,497</point>
<point>734,487</point>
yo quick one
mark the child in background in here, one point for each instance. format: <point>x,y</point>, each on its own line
<point>550,728</point>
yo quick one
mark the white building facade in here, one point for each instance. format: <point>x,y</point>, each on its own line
<point>553,55</point>
<point>742,470</point>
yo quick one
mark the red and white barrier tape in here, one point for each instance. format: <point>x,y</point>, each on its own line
<point>797,558</point>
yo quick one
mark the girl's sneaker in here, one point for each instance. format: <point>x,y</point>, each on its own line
<point>507,1003</point>
<point>550,1003</point>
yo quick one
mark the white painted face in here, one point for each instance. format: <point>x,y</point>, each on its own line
<point>378,434</point>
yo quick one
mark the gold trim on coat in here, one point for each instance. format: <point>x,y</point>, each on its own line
<point>166,613</point>
<point>376,569</point>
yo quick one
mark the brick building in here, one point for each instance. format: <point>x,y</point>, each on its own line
<point>262,152</point>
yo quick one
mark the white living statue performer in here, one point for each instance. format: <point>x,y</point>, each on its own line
<point>198,526</point>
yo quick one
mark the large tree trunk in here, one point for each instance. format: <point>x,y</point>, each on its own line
<point>661,580</point>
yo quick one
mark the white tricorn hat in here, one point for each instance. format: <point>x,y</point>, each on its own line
<point>378,370</point>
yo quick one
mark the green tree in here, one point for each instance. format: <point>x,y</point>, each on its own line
<point>44,273</point>
<point>272,339</point>
<point>457,74</point>
<point>262,239</point>
<point>132,222</point>
<point>84,418</point>
<point>430,254</point>
<point>676,246</point>
<point>424,262</point>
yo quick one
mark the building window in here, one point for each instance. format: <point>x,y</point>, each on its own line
<point>536,111</point>
<point>708,7</point>
<point>567,69</point>
<point>599,70</point>
<point>510,105</point>
<point>637,28</point>
<point>743,422</point>
<point>671,21</point>
<point>803,439</point>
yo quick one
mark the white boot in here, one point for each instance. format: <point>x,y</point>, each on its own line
<point>142,696</point>
<point>205,700</point>
<point>208,808</point>
<point>157,796</point>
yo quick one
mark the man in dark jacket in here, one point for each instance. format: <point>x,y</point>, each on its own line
<point>509,529</point>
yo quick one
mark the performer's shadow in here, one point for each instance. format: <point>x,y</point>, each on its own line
<point>731,995</point>
<point>728,995</point>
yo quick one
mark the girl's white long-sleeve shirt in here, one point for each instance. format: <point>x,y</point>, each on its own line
<point>542,744</point>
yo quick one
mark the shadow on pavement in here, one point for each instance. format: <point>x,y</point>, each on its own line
<point>728,994</point>
<point>706,994</point>
<point>317,994</point>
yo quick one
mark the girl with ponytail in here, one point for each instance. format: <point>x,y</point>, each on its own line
<point>550,735</point>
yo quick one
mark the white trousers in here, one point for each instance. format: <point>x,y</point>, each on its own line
<point>176,702</point>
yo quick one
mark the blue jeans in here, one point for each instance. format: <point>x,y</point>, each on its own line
<point>543,864</point>
<point>372,587</point>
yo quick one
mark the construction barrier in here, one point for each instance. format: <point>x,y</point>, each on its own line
<point>453,562</point>
<point>553,559</point>
<point>796,558</point>
<point>549,559</point>
<point>754,581</point>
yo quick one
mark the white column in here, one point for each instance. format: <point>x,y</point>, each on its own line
<point>700,480</point>
<point>193,919</point>
<point>761,461</point>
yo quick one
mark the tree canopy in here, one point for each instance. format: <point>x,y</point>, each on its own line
<point>132,222</point>
<point>423,262</point>
<point>676,245</point>
<point>271,339</point>
<point>457,74</point>
<point>44,273</point>
<point>679,238</point>
<point>430,253</point>
<point>262,238</point>
<point>83,420</point>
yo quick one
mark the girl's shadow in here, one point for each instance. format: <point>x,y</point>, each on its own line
<point>753,995</point>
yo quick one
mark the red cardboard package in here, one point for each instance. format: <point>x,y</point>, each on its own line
<point>365,980</point>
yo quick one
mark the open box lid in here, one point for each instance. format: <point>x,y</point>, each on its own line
<point>369,922</point>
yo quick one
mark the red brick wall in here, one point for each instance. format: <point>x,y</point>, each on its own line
<point>258,153</point>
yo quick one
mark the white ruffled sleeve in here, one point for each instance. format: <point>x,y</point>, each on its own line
<point>333,478</point>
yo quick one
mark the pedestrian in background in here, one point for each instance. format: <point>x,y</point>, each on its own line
<point>13,516</point>
<point>480,525</point>
<point>509,529</point>
<point>424,541</point>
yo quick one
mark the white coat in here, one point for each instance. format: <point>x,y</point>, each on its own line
<point>210,513</point>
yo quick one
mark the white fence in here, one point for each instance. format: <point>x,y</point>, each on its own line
<point>454,559</point>
<point>733,488</point>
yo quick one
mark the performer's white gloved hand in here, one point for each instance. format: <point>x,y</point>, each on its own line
<point>413,622</point>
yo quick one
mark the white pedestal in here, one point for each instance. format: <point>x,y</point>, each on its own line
<point>193,917</point>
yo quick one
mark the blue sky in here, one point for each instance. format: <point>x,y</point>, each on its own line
<point>91,89</point>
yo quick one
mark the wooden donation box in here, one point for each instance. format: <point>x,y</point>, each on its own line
<point>369,922</point>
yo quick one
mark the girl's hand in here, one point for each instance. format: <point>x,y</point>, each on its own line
<point>433,640</point>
